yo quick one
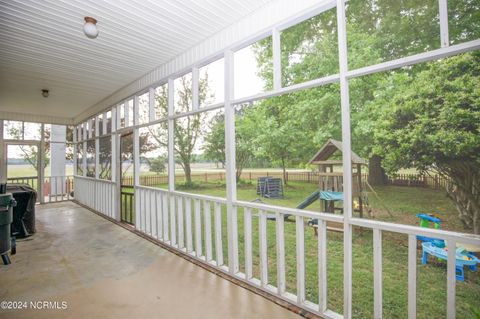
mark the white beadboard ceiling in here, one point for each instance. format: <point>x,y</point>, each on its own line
<point>42,46</point>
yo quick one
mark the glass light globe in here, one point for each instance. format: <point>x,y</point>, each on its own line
<point>90,28</point>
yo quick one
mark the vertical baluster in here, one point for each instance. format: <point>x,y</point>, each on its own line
<point>322,265</point>
<point>158,206</point>
<point>300,259</point>
<point>132,213</point>
<point>377,273</point>
<point>173,223</point>
<point>153,214</point>
<point>208,230</point>
<point>148,212</point>
<point>280,239</point>
<point>188,223</point>
<point>451,278</point>
<point>181,241</point>
<point>218,234</point>
<point>141,212</point>
<point>198,229</point>
<point>166,236</point>
<point>262,233</point>
<point>138,213</point>
<point>247,215</point>
<point>412,276</point>
<point>56,189</point>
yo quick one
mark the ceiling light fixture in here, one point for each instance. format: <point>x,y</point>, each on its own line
<point>90,27</point>
<point>45,93</point>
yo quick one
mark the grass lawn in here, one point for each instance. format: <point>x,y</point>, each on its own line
<point>24,170</point>
<point>404,203</point>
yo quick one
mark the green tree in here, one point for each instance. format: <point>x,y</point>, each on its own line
<point>245,132</point>
<point>378,30</point>
<point>431,121</point>
<point>30,153</point>
<point>157,164</point>
<point>214,148</point>
<point>187,130</point>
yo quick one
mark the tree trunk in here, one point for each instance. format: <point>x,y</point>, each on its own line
<point>285,181</point>
<point>464,192</point>
<point>188,173</point>
<point>376,173</point>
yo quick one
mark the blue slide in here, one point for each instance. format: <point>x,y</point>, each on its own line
<point>309,200</point>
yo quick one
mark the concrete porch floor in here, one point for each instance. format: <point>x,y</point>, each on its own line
<point>104,271</point>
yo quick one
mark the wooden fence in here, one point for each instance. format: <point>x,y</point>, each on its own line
<point>411,180</point>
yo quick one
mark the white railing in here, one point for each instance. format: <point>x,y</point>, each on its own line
<point>100,195</point>
<point>197,225</point>
<point>53,188</point>
<point>58,188</point>
<point>190,223</point>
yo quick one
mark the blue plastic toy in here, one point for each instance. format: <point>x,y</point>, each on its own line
<point>463,258</point>
<point>426,221</point>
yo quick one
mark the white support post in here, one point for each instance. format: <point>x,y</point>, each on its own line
<point>41,165</point>
<point>97,128</point>
<point>195,89</point>
<point>280,239</point>
<point>90,129</point>
<point>97,158</point>
<point>171,138</point>
<point>85,130</point>
<point>115,154</point>
<point>118,118</point>
<point>126,113</point>
<point>171,159</point>
<point>322,266</point>
<point>116,167</point>
<point>84,159</point>
<point>97,148</point>
<point>136,176</point>
<point>347,161</point>
<point>113,120</point>
<point>232,229</point>
<point>443,10</point>
<point>451,278</point>
<point>104,123</point>
<point>377,274</point>
<point>277,61</point>
<point>75,155</point>
<point>151,104</point>
<point>136,111</point>
<point>412,277</point>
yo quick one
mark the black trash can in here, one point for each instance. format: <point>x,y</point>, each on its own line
<point>23,224</point>
<point>6,217</point>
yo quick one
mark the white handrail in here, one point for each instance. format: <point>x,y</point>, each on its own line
<point>192,225</point>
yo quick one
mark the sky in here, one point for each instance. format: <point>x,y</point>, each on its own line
<point>246,81</point>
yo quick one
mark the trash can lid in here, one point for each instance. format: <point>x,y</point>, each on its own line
<point>6,199</point>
